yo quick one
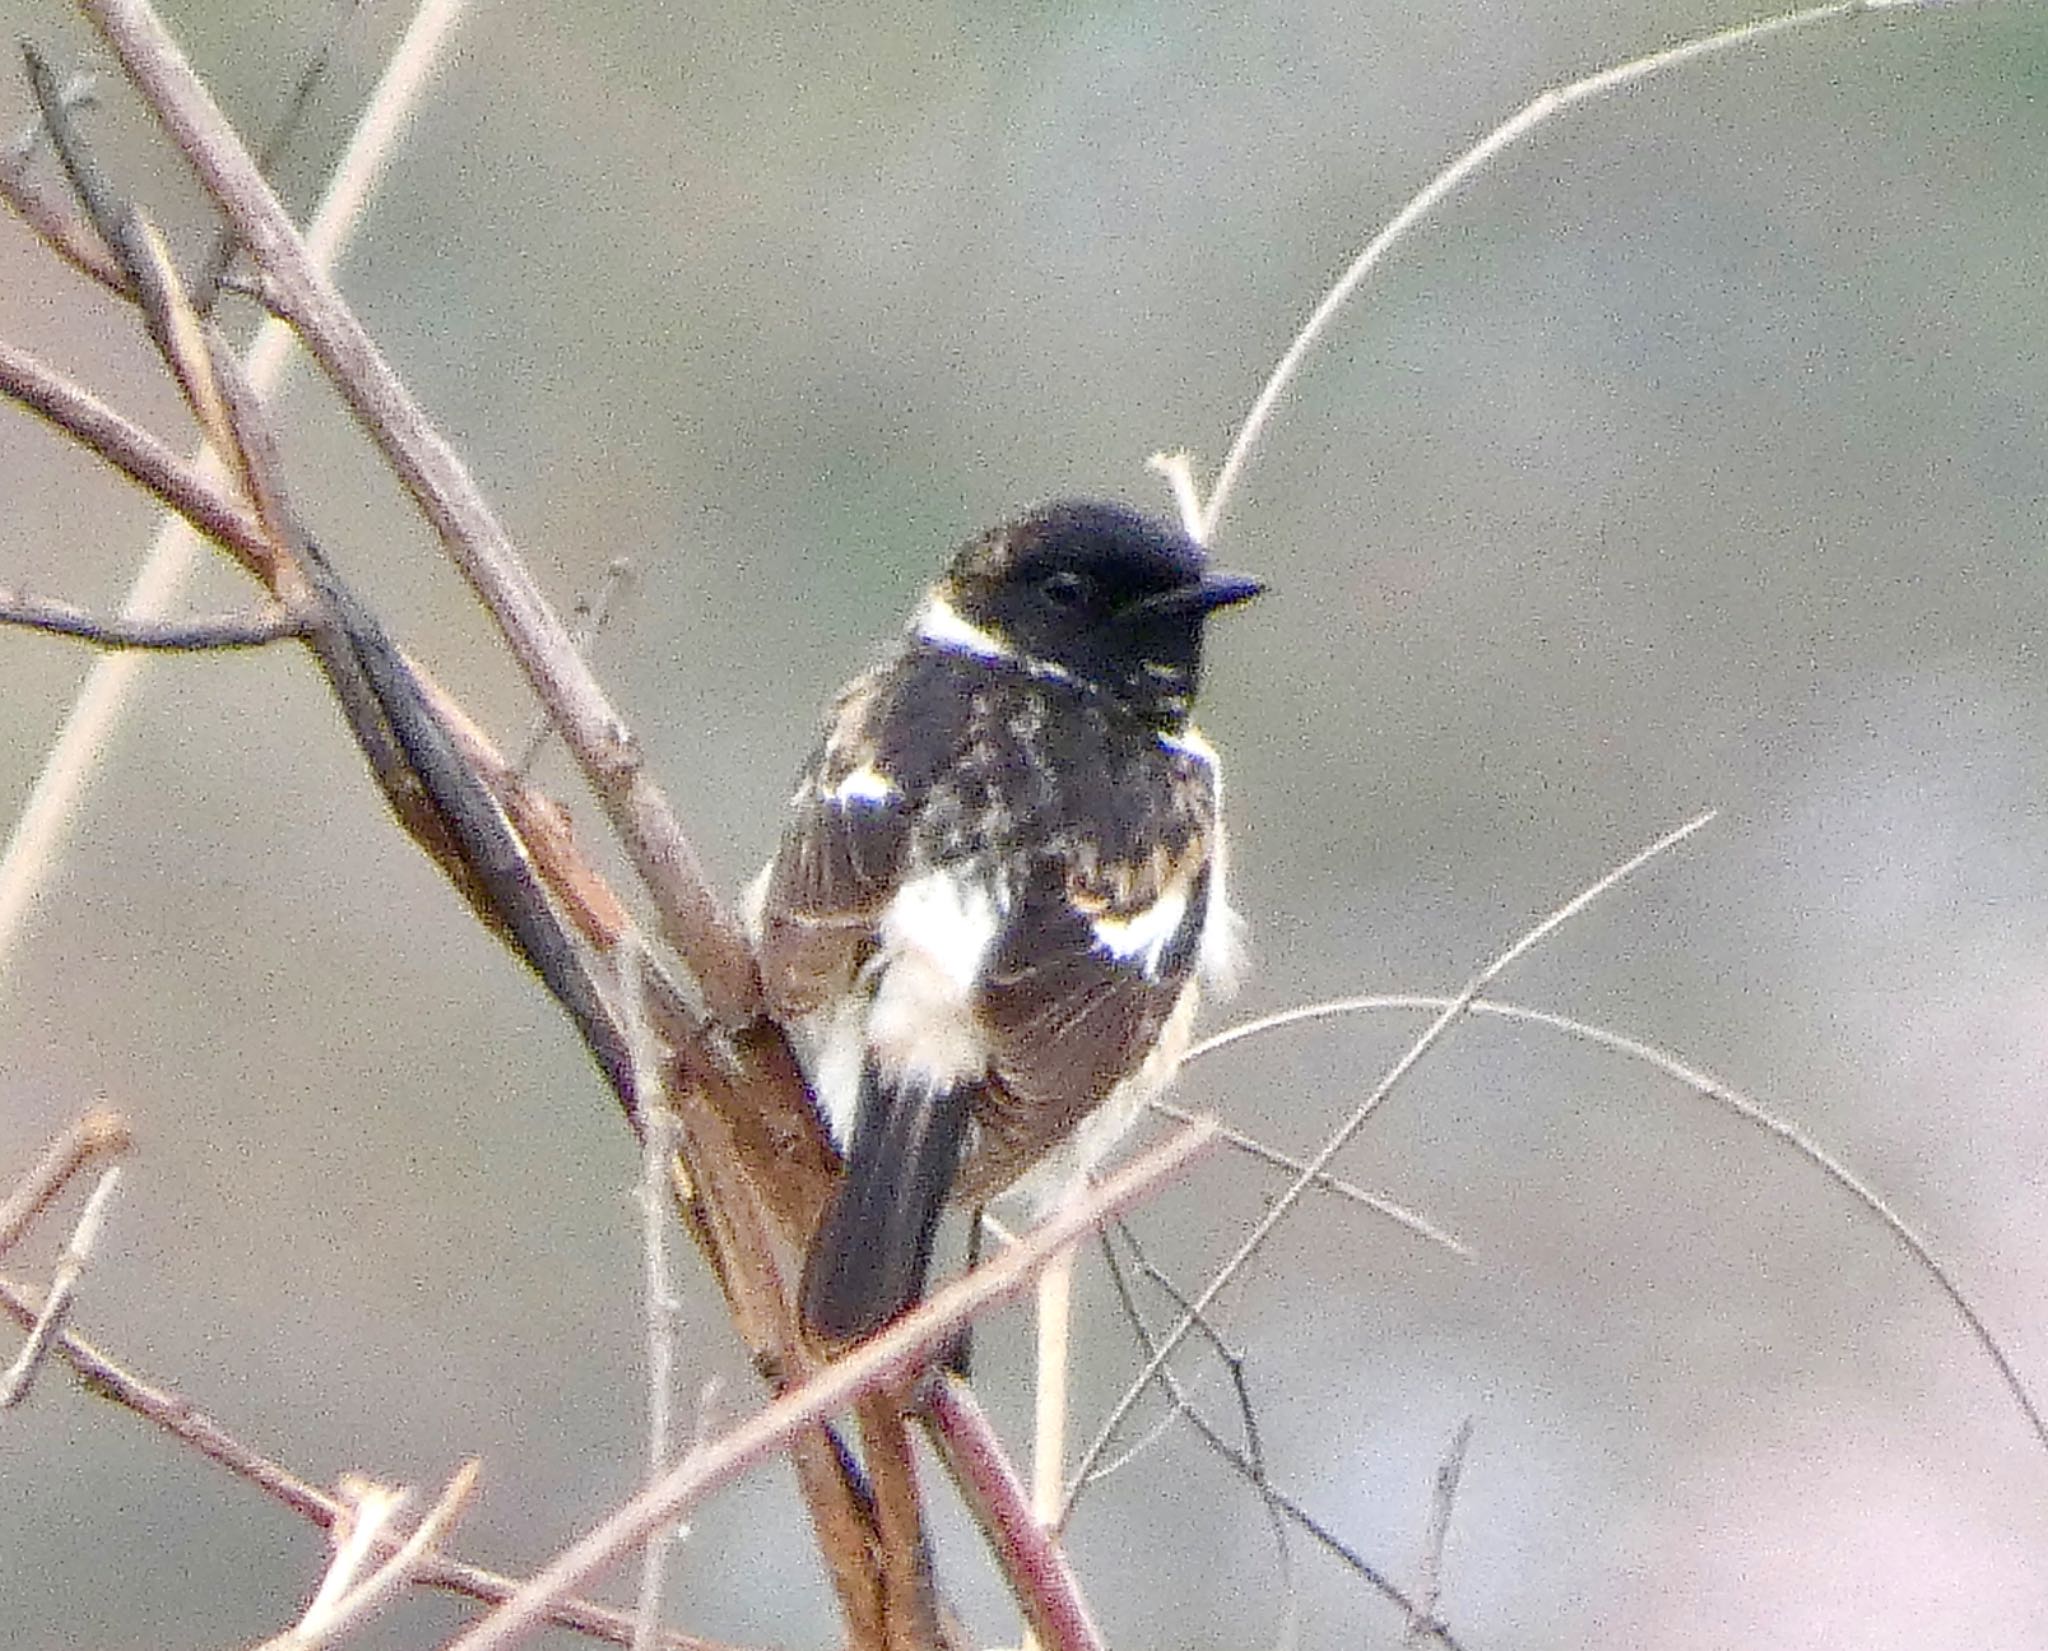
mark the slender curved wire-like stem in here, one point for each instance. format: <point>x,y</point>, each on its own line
<point>1538,111</point>
<point>1722,1094</point>
<point>1284,1205</point>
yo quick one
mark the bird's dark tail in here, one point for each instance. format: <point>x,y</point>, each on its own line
<point>868,1258</point>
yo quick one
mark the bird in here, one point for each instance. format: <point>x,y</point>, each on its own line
<point>1001,888</point>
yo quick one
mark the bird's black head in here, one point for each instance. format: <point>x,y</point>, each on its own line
<point>1094,592</point>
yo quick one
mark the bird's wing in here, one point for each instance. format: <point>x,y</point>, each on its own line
<point>1094,960</point>
<point>824,892</point>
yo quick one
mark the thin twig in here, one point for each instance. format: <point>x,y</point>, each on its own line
<point>658,1138</point>
<point>40,209</point>
<point>415,753</point>
<point>1424,1624</point>
<point>228,630</point>
<point>1230,1357</point>
<point>1234,1361</point>
<point>81,91</point>
<point>1054,1312</point>
<point>587,620</point>
<point>97,1134</point>
<point>343,1603</point>
<point>175,1415</point>
<point>873,1366</point>
<point>1253,1472</point>
<point>1535,113</point>
<point>1252,1461</point>
<point>1722,1094</point>
<point>49,1322</point>
<point>1421,1226</point>
<point>197,492</point>
<point>212,278</point>
<point>411,751</point>
<point>1179,1396</point>
<point>1052,1401</point>
<point>145,261</point>
<point>88,187</point>
<point>1285,1203</point>
<point>1178,467</point>
<point>367,1512</point>
<point>152,277</point>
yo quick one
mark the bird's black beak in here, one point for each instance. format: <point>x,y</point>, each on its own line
<point>1215,589</point>
<point>1226,590</point>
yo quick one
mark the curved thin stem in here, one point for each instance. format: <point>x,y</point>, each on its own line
<point>1284,1205</point>
<point>1722,1094</point>
<point>1538,111</point>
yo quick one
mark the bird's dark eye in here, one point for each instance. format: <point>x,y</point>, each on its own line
<point>1064,589</point>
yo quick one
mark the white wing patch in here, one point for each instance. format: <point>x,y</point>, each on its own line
<point>832,1047</point>
<point>912,1011</point>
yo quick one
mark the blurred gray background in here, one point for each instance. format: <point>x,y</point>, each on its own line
<point>1692,457</point>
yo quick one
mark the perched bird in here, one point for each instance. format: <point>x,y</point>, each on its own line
<point>1001,882</point>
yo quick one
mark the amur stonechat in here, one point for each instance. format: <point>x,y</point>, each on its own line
<point>1001,887</point>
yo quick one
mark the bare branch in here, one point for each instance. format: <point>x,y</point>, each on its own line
<point>901,1556</point>
<point>144,260</point>
<point>694,920</point>
<point>759,1169</point>
<point>193,491</point>
<point>53,800</point>
<point>876,1364</point>
<point>97,1134</point>
<point>63,1289</point>
<point>254,630</point>
<point>177,1416</point>
<point>419,757</point>
<point>1282,1206</point>
<point>1029,1556</point>
<point>1535,113</point>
